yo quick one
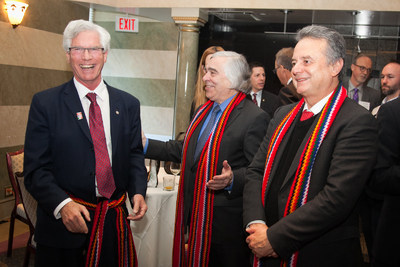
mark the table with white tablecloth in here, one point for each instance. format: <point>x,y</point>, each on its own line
<point>153,235</point>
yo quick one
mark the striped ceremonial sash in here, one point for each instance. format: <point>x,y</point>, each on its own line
<point>126,247</point>
<point>200,229</point>
<point>299,190</point>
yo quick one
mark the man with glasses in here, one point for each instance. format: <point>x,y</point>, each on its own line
<point>357,88</point>
<point>83,153</point>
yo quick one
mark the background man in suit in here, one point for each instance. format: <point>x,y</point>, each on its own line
<point>283,67</point>
<point>215,168</point>
<point>390,83</point>
<point>79,174</point>
<point>357,88</point>
<point>262,98</point>
<point>316,158</point>
<point>386,181</point>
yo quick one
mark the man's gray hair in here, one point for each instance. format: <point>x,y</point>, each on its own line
<point>75,27</point>
<point>284,57</point>
<point>336,48</point>
<point>236,70</point>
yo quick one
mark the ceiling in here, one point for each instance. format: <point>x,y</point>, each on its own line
<point>361,24</point>
<point>375,18</point>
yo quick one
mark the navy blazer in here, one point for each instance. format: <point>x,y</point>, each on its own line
<point>60,159</point>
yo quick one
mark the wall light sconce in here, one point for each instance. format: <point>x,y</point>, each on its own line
<point>16,11</point>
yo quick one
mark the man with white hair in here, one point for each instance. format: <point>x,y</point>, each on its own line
<point>220,142</point>
<point>83,154</point>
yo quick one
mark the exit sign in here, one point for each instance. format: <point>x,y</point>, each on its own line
<point>124,24</point>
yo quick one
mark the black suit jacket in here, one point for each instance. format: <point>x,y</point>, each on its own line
<point>244,131</point>
<point>369,94</point>
<point>386,181</point>
<point>59,156</point>
<point>288,94</point>
<point>269,102</point>
<point>329,218</point>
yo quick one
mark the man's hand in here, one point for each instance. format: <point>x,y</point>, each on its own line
<point>258,241</point>
<point>223,180</point>
<point>73,216</point>
<point>139,208</point>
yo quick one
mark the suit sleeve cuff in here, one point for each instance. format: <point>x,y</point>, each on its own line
<point>56,212</point>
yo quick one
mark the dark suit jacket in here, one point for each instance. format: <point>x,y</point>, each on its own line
<point>244,131</point>
<point>269,102</point>
<point>329,218</point>
<point>288,94</point>
<point>369,94</point>
<point>386,180</point>
<point>59,156</point>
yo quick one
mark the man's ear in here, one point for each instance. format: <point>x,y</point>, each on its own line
<point>337,67</point>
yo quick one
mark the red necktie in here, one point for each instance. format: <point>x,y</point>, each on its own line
<point>306,115</point>
<point>104,175</point>
<point>255,99</point>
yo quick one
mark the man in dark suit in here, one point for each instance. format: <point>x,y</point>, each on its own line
<point>386,181</point>
<point>80,174</point>
<point>212,174</point>
<point>265,100</point>
<point>357,88</point>
<point>303,185</point>
<point>283,69</point>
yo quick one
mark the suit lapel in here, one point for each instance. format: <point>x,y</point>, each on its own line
<point>115,116</point>
<point>72,101</point>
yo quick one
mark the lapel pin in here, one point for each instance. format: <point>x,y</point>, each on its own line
<point>79,115</point>
<point>117,112</point>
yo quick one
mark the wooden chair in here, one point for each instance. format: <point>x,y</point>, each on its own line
<point>30,205</point>
<point>15,162</point>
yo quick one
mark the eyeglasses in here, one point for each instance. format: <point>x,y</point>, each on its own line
<point>276,69</point>
<point>362,68</point>
<point>76,50</point>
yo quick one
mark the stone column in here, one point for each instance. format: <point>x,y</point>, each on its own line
<point>189,22</point>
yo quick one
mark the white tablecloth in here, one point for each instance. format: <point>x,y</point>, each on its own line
<point>153,235</point>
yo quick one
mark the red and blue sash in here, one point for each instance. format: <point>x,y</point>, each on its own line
<point>196,251</point>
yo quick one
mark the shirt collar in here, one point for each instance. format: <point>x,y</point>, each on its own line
<point>100,90</point>
<point>319,106</point>
<point>224,104</point>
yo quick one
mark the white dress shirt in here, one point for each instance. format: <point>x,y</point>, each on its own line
<point>103,101</point>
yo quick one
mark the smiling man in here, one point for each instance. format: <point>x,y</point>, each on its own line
<point>303,185</point>
<point>221,141</point>
<point>83,153</point>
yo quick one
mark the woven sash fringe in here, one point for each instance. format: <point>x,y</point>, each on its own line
<point>126,247</point>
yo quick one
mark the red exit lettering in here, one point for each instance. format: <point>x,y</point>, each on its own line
<point>126,24</point>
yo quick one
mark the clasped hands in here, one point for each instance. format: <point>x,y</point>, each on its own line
<point>75,215</point>
<point>258,241</point>
<point>223,180</point>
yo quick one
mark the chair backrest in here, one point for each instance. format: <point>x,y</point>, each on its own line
<point>15,163</point>
<point>30,204</point>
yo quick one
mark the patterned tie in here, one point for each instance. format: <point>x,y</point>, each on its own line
<point>306,115</point>
<point>255,99</point>
<point>104,175</point>
<point>355,94</point>
<point>206,132</point>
